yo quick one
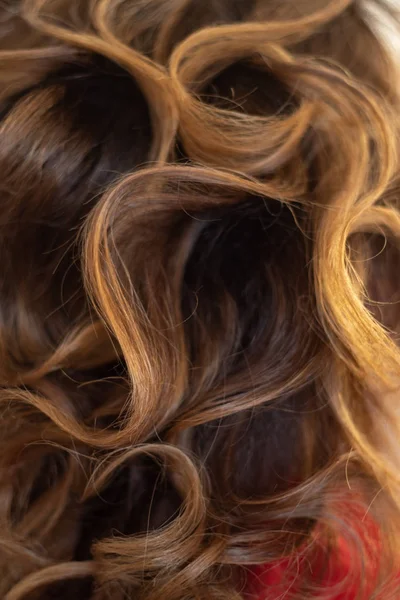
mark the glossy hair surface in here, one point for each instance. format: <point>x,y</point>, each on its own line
<point>199,295</point>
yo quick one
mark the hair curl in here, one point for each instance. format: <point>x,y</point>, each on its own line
<point>199,294</point>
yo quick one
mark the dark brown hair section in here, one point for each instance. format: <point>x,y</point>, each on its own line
<point>198,295</point>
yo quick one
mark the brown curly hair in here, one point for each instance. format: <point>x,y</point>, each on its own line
<point>198,295</point>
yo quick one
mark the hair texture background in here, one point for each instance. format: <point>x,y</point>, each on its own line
<point>199,295</point>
